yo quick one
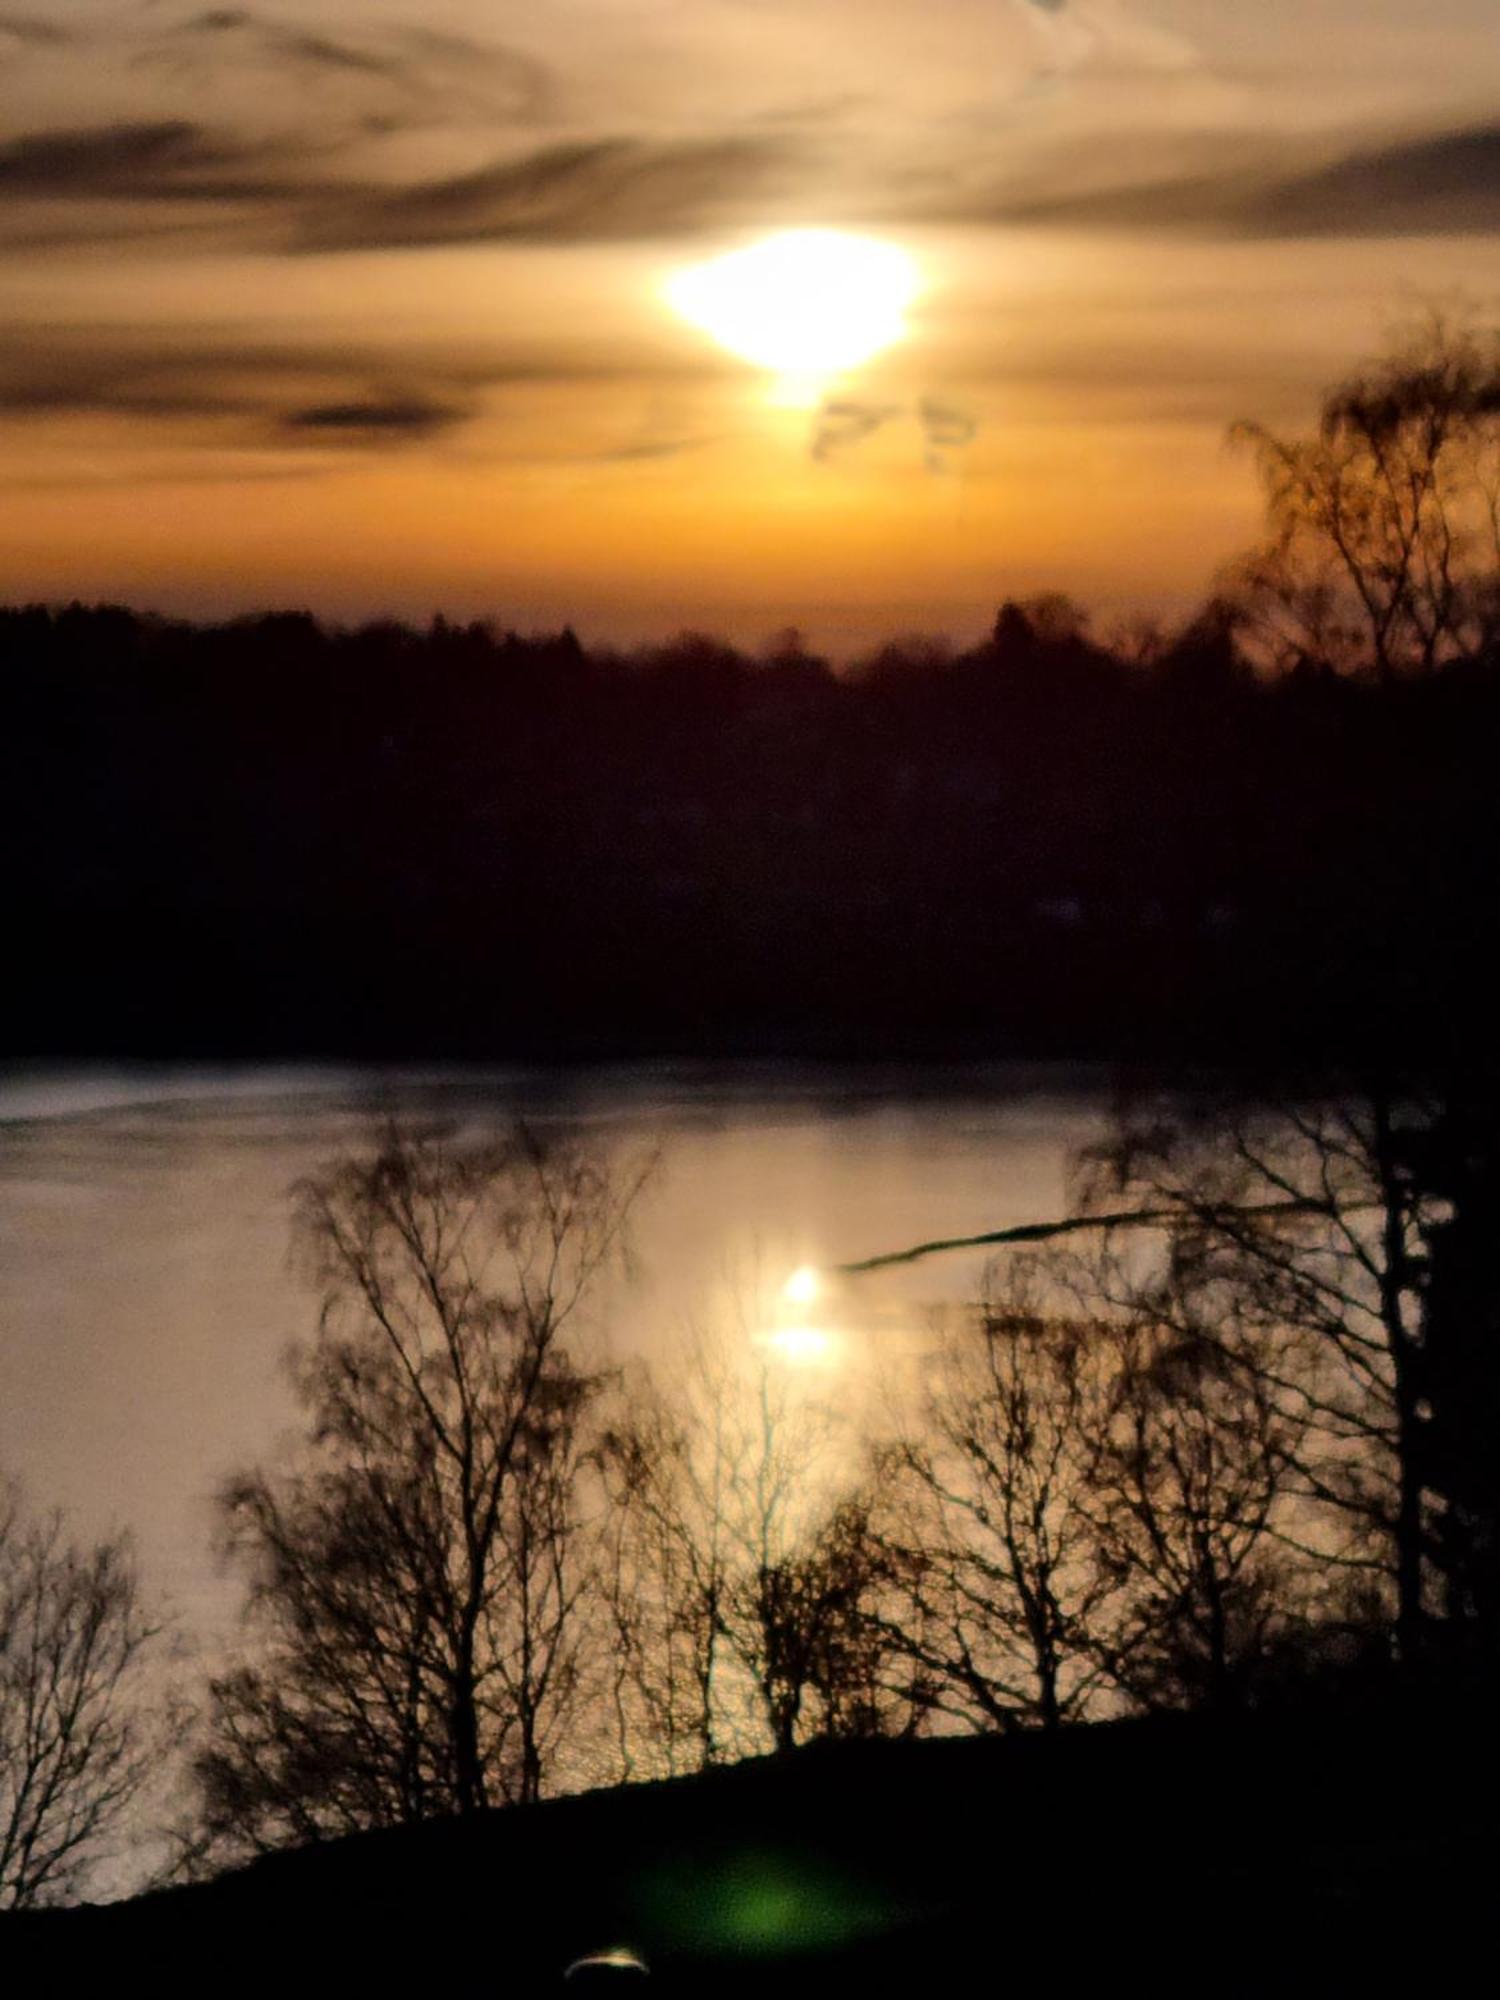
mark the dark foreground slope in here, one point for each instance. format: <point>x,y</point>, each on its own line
<point>1342,1853</point>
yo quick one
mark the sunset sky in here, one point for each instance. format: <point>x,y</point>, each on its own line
<point>363,306</point>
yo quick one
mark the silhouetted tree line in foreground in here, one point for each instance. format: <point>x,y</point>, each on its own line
<point>1275,825</point>
<point>1224,1444</point>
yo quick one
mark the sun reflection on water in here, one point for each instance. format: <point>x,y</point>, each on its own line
<point>792,1334</point>
<point>801,1345</point>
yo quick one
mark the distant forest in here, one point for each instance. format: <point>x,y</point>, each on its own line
<point>269,837</point>
<point>1275,828</point>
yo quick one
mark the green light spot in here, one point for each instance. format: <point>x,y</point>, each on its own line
<point>759,1903</point>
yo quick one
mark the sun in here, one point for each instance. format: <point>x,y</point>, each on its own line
<point>805,303</point>
<point>802,1287</point>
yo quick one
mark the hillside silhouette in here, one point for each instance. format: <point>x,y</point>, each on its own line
<point>1330,1850</point>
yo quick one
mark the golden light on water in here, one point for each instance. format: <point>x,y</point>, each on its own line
<point>806,304</point>
<point>794,1337</point>
<point>801,1345</point>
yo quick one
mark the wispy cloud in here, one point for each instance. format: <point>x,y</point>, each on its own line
<point>30,31</point>
<point>412,68</point>
<point>843,423</point>
<point>295,44</point>
<point>118,160</point>
<point>242,394</point>
<point>1115,34</point>
<point>590,190</point>
<point>1448,184</point>
<point>946,429</point>
<point>331,131</point>
<point>256,391</point>
<point>1443,184</point>
<point>309,195</point>
<point>133,168</point>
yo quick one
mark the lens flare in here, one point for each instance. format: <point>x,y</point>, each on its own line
<point>618,1960</point>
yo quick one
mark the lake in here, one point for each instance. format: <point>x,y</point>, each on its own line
<point>147,1292</point>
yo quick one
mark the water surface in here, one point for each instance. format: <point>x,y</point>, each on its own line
<point>147,1294</point>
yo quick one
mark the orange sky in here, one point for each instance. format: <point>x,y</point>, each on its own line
<point>360,306</point>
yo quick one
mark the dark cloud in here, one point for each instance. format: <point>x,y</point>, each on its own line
<point>340,393</point>
<point>169,159</point>
<point>123,179</point>
<point>46,371</point>
<point>99,159</point>
<point>283,391</point>
<point>647,449</point>
<point>376,420</point>
<point>843,422</point>
<point>1448,184</point>
<point>602,189</point>
<point>105,388</point>
<point>31,32</point>
<point>946,429</point>
<point>608,188</point>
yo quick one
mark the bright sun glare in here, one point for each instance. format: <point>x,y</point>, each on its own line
<point>801,1344</point>
<point>801,1288</point>
<point>805,303</point>
<point>796,1341</point>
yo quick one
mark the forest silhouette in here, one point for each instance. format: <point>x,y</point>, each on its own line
<point>267,837</point>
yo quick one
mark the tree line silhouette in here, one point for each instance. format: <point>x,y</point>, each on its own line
<point>1274,826</point>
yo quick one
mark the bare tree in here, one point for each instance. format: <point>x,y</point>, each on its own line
<point>990,1519</point>
<point>1188,1480</point>
<point>744,1567</point>
<point>1316,1227</point>
<point>1333,1244</point>
<point>666,1576</point>
<point>1385,546</point>
<point>814,1629</point>
<point>77,1743</point>
<point>417,1575</point>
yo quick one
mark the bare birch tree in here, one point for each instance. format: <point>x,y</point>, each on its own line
<point>744,1567</point>
<point>78,1743</point>
<point>990,1520</point>
<point>417,1574</point>
<point>1384,553</point>
<point>1296,1238</point>
<point>1188,1481</point>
